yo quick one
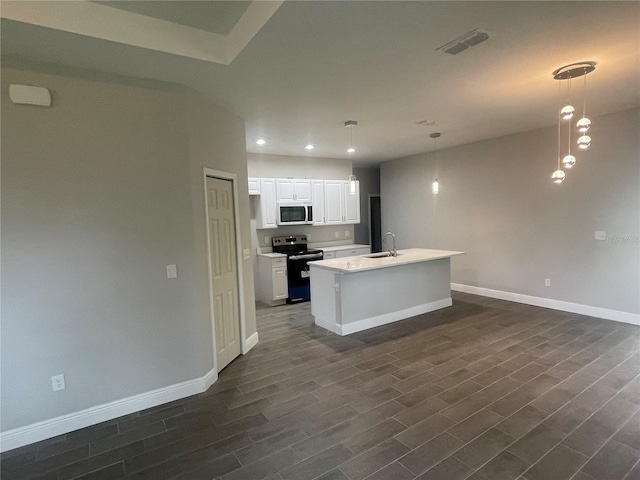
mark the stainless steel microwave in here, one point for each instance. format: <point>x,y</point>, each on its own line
<point>295,213</point>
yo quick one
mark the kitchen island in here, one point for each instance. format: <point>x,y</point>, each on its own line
<point>352,294</point>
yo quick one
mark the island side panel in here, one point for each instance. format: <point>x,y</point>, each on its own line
<point>377,297</point>
<point>325,303</point>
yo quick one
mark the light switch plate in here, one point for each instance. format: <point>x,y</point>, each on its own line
<point>337,234</point>
<point>246,254</point>
<point>346,233</point>
<point>266,240</point>
<point>172,271</point>
<point>601,235</point>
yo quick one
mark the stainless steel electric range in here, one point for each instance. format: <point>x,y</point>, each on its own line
<point>298,257</point>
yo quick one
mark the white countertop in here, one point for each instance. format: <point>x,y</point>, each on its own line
<point>336,248</point>
<point>272,255</point>
<point>361,263</point>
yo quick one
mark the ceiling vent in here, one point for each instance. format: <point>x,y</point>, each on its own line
<point>460,44</point>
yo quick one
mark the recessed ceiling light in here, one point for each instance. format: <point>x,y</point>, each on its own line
<point>309,147</point>
<point>261,141</point>
<point>351,150</point>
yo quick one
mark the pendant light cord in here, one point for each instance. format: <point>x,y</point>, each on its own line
<point>584,99</point>
<point>559,119</point>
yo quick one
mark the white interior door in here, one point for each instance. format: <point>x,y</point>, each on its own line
<point>224,271</point>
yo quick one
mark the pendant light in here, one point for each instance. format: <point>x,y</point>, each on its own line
<point>568,72</point>
<point>584,123</point>
<point>435,185</point>
<point>558,175</point>
<point>569,160</point>
<point>350,124</point>
<point>566,112</point>
<point>352,184</point>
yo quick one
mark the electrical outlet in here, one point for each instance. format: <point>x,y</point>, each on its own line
<point>308,236</point>
<point>347,233</point>
<point>57,382</point>
<point>172,271</point>
<point>547,282</point>
<point>246,254</point>
<point>266,240</point>
<point>337,234</point>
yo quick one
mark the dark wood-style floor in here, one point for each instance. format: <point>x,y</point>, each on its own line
<point>485,389</point>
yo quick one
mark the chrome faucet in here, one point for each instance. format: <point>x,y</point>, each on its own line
<point>394,252</point>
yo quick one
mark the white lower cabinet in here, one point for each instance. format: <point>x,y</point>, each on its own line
<point>273,288</point>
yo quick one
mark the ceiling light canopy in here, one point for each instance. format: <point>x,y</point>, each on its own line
<point>261,141</point>
<point>309,147</point>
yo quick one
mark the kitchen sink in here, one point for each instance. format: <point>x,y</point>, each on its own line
<point>381,255</point>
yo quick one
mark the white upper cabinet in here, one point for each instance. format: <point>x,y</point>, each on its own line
<point>341,206</point>
<point>317,202</point>
<point>333,201</point>
<point>293,190</point>
<point>267,209</point>
<point>254,186</point>
<point>351,203</point>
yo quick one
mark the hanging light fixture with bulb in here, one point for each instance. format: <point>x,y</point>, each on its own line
<point>352,184</point>
<point>350,124</point>
<point>352,178</point>
<point>568,72</point>
<point>435,185</point>
<point>558,175</point>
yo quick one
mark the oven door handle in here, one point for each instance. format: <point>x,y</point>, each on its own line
<point>310,256</point>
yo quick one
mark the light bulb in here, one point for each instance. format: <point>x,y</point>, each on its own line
<point>309,147</point>
<point>261,141</point>
<point>351,150</point>
<point>568,161</point>
<point>557,176</point>
<point>583,124</point>
<point>584,142</point>
<point>567,112</point>
<point>435,187</point>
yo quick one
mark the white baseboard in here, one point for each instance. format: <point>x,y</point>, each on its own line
<point>250,342</point>
<point>598,312</point>
<point>35,432</point>
<point>383,319</point>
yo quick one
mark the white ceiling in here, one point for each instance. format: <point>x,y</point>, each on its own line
<point>313,65</point>
<point>214,17</point>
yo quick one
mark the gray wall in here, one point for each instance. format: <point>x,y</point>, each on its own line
<point>498,204</point>
<point>99,193</point>
<point>369,179</point>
